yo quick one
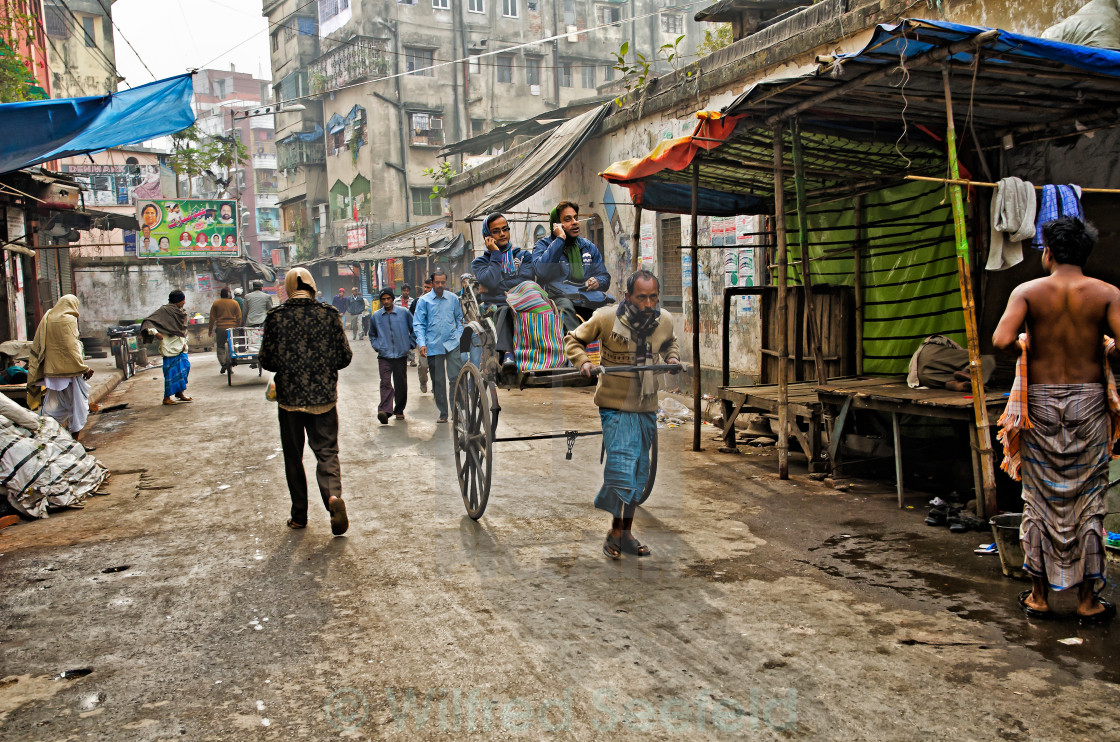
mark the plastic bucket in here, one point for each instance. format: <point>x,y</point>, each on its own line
<point>1005,531</point>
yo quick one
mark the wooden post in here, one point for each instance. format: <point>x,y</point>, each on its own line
<point>697,402</point>
<point>783,310</point>
<point>857,261</point>
<point>985,500</point>
<point>636,241</point>
<point>816,342</point>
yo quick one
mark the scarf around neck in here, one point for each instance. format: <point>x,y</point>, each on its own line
<point>574,255</point>
<point>638,327</point>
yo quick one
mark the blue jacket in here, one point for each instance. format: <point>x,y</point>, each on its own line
<point>551,266</point>
<point>487,268</point>
<point>391,334</point>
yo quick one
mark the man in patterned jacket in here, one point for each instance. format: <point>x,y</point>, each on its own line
<point>305,345</point>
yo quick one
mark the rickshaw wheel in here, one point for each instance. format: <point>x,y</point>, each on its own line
<point>473,436</point>
<point>652,471</point>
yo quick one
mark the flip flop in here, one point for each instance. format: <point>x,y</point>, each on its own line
<point>339,522</point>
<point>633,547</point>
<point>1033,612</point>
<point>1107,614</point>
<point>295,526</point>
<point>612,548</point>
<point>170,402</point>
<point>185,399</point>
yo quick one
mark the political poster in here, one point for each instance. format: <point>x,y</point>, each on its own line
<point>182,228</point>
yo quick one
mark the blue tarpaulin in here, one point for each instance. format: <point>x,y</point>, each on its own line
<point>39,131</point>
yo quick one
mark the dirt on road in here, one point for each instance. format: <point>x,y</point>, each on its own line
<point>179,606</point>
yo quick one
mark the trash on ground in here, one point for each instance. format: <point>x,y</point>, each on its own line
<point>986,549</point>
<point>1071,641</point>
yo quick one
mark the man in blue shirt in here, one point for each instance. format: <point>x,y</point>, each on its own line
<point>439,325</point>
<point>570,267</point>
<point>392,336</point>
<point>499,269</point>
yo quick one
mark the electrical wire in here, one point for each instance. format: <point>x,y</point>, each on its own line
<point>495,52</point>
<point>257,33</point>
<point>109,15</point>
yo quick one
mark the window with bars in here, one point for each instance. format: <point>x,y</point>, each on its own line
<point>476,6</point>
<point>330,8</point>
<point>608,15</point>
<point>505,67</point>
<point>672,23</point>
<point>608,73</point>
<point>588,75</point>
<point>423,204</point>
<point>426,129</point>
<point>669,263</point>
<point>416,60</point>
<point>509,8</point>
<point>532,71</point>
<point>564,72</point>
<point>57,22</point>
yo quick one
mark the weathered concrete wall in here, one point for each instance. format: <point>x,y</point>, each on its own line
<point>114,290</point>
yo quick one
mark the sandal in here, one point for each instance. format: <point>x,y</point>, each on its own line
<point>184,398</point>
<point>1106,615</point>
<point>633,547</point>
<point>170,401</point>
<point>295,526</point>
<point>1032,612</point>
<point>612,547</point>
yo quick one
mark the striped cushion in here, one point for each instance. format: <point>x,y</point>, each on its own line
<point>528,297</point>
<point>538,340</point>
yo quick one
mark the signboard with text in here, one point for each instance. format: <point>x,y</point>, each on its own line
<point>179,228</point>
<point>355,238</point>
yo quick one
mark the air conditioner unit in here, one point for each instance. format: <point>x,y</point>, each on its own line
<point>573,37</point>
<point>435,122</point>
<point>534,90</point>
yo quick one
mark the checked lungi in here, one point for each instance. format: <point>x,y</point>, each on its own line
<point>175,371</point>
<point>1064,458</point>
<point>627,438</point>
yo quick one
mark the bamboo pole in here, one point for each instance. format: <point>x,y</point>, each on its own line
<point>815,339</point>
<point>985,500</point>
<point>636,240</point>
<point>981,184</point>
<point>783,310</point>
<point>697,402</point>
<point>857,261</point>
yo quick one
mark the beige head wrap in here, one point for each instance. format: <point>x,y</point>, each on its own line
<point>294,278</point>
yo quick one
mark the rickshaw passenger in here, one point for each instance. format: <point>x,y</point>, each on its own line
<point>570,267</point>
<point>501,267</point>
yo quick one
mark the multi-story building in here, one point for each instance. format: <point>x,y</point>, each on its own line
<point>222,99</point>
<point>387,83</point>
<point>21,29</point>
<point>81,48</point>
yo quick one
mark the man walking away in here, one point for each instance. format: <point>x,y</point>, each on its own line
<point>240,299</point>
<point>225,314</point>
<point>1062,419</point>
<point>355,307</point>
<point>57,371</point>
<point>305,345</point>
<point>257,304</point>
<point>421,361</point>
<point>168,325</point>
<point>391,335</point>
<point>630,334</point>
<point>439,326</point>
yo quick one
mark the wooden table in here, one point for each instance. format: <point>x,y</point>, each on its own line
<point>892,395</point>
<point>803,403</point>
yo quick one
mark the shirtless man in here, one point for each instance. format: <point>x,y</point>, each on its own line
<point>1065,453</point>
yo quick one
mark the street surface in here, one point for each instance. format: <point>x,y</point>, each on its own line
<point>768,610</point>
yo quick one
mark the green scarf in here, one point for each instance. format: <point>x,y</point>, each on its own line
<point>571,249</point>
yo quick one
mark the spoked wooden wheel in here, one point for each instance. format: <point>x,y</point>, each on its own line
<point>652,471</point>
<point>473,434</point>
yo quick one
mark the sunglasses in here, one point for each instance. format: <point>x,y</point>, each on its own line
<point>499,229</point>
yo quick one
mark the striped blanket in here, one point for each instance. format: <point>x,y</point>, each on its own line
<point>538,333</point>
<point>1015,418</point>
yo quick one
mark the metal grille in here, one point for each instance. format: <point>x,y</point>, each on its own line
<point>669,261</point>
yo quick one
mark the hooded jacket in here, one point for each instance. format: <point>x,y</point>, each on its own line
<point>552,270</point>
<point>489,268</point>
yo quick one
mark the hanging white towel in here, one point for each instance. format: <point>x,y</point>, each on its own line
<point>1013,212</point>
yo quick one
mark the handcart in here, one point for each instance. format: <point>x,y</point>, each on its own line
<point>244,344</point>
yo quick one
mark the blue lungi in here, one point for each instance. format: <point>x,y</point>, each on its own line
<point>627,438</point>
<point>175,371</point>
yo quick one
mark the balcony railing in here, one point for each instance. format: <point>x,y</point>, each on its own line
<point>295,154</point>
<point>356,60</point>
